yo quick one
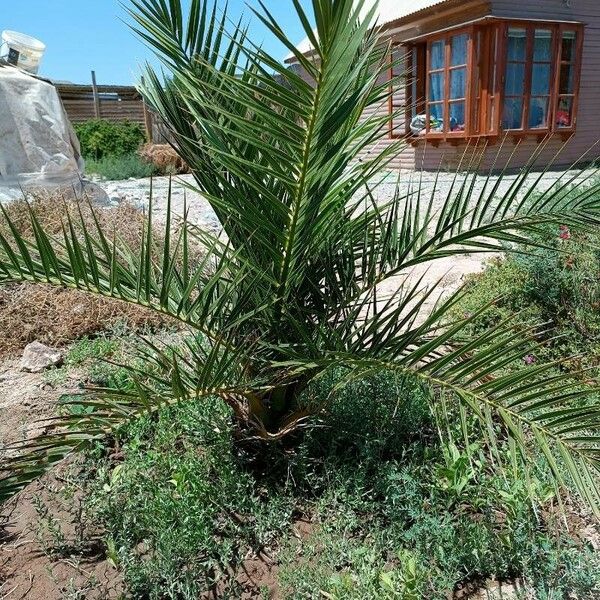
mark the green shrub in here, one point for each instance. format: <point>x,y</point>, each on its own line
<point>100,139</point>
<point>120,167</point>
<point>556,288</point>
<point>394,513</point>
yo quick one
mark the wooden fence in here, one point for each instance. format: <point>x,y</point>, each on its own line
<point>112,103</point>
<point>109,102</point>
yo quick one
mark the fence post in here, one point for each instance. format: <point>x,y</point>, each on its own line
<point>147,118</point>
<point>96,96</point>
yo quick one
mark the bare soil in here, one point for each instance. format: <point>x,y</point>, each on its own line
<point>31,566</point>
<point>46,552</point>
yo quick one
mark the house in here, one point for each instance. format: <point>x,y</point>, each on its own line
<point>521,77</point>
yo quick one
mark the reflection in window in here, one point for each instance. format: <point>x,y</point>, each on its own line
<point>514,89</point>
<point>459,50</point>
<point>564,113</point>
<point>566,82</point>
<point>436,117</point>
<point>512,116</point>
<point>541,70</point>
<point>437,55</point>
<point>436,87</point>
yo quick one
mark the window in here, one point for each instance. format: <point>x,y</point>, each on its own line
<point>492,78</point>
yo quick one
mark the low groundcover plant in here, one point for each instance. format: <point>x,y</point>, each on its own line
<point>293,287</point>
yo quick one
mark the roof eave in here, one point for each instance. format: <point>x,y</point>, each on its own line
<point>422,13</point>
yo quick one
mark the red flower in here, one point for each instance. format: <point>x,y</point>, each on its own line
<point>564,232</point>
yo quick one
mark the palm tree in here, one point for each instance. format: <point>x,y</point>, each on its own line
<point>292,288</point>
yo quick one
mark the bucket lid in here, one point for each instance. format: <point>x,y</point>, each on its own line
<point>25,40</point>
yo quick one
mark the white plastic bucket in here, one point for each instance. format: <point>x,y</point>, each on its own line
<point>22,51</point>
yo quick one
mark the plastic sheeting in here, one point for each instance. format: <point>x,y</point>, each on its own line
<point>38,147</point>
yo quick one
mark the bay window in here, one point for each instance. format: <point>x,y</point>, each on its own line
<point>492,77</point>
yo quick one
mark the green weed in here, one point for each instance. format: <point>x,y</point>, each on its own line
<point>120,167</point>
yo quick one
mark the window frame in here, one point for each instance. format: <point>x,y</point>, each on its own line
<point>483,65</point>
<point>447,69</point>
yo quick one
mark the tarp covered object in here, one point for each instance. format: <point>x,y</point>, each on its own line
<point>38,147</point>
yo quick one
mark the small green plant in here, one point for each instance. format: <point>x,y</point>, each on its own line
<point>100,139</point>
<point>49,532</point>
<point>120,167</point>
<point>458,470</point>
<point>95,348</point>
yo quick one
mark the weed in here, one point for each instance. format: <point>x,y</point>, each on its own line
<point>121,167</point>
<point>49,532</point>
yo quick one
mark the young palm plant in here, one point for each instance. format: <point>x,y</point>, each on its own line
<point>293,286</point>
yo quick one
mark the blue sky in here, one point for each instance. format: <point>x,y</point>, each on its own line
<point>82,35</point>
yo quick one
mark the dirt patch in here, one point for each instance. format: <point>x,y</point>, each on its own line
<point>47,551</point>
<point>25,400</point>
<point>57,316</point>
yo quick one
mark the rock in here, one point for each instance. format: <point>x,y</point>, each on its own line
<point>495,590</point>
<point>37,358</point>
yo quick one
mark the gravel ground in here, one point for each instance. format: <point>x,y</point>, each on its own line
<point>137,191</point>
<point>451,272</point>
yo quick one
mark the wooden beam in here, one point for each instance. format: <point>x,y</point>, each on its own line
<point>147,119</point>
<point>96,97</point>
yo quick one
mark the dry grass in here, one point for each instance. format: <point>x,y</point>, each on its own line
<point>164,158</point>
<point>58,316</point>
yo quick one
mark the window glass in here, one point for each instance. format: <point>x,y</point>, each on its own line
<point>414,81</point>
<point>538,113</point>
<point>491,125</point>
<point>512,116</point>
<point>458,83</point>
<point>542,45</point>
<point>567,77</point>
<point>566,82</point>
<point>436,87</point>
<point>436,117</point>
<point>568,46</point>
<point>515,79</point>
<point>437,55</point>
<point>540,79</point>
<point>564,114</point>
<point>459,50</point>
<point>457,116</point>
<point>517,44</point>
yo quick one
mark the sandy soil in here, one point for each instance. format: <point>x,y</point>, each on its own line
<point>30,566</point>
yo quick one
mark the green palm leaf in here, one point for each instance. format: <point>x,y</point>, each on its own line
<point>294,284</point>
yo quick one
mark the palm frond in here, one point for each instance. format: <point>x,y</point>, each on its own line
<point>294,284</point>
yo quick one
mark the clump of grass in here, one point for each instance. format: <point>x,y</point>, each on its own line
<point>121,167</point>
